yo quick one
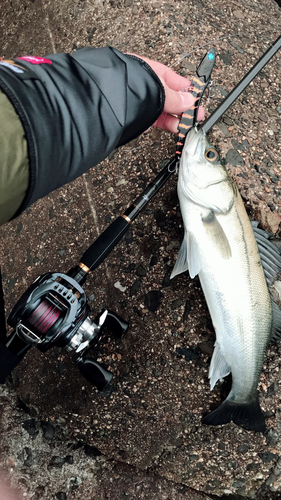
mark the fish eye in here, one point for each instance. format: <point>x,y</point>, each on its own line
<point>212,155</point>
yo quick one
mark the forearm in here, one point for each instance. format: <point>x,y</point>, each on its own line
<point>77,108</point>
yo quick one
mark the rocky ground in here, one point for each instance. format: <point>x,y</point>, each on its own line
<point>60,439</point>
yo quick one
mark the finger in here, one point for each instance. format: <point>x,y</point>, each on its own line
<point>200,114</point>
<point>167,122</point>
<point>172,79</point>
<point>171,123</point>
<point>177,102</point>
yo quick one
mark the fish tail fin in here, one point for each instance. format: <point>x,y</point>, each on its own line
<point>247,415</point>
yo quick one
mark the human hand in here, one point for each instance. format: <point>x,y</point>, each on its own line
<point>7,493</point>
<point>177,99</point>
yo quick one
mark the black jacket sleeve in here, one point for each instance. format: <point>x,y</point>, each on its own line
<point>75,109</point>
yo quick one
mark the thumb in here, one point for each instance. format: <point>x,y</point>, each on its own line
<point>177,102</point>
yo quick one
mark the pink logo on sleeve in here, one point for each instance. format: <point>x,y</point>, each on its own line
<point>35,60</point>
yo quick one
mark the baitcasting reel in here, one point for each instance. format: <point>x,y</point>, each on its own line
<point>54,312</point>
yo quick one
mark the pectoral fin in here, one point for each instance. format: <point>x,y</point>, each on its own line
<point>216,233</point>
<point>188,258</point>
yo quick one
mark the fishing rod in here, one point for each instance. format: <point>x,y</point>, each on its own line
<point>54,310</point>
<point>103,245</point>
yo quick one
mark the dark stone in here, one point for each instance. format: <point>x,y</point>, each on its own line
<point>127,392</point>
<point>253,466</point>
<point>153,260</point>
<point>57,461</point>
<point>177,303</point>
<point>107,218</point>
<point>30,427</point>
<point>240,145</point>
<point>160,218</point>
<point>51,213</point>
<point>91,32</point>
<point>61,496</point>
<point>224,129</point>
<point>152,164</point>
<point>177,441</point>
<point>135,287</point>
<point>48,430</point>
<point>234,158</point>
<point>150,42</point>
<point>223,92</point>
<point>91,451</point>
<point>166,280</point>
<point>214,482</point>
<point>239,483</point>
<point>273,388</point>
<point>203,320</point>
<point>227,120</point>
<point>129,236</point>
<point>187,310</point>
<point>61,252</point>
<point>243,448</point>
<point>206,347</point>
<point>188,353</point>
<point>29,258</point>
<point>19,228</point>
<point>233,465</point>
<point>152,300</point>
<point>236,46</point>
<point>226,57</point>
<point>272,437</point>
<point>189,66</point>
<point>267,456</point>
<point>262,74</point>
<point>29,461</point>
<point>11,283</point>
<point>141,271</point>
<point>130,268</point>
<point>122,453</point>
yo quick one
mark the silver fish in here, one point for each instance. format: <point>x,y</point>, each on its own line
<point>219,245</point>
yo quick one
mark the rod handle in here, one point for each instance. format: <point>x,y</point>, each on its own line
<point>103,245</point>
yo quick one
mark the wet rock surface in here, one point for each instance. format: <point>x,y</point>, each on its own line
<point>60,438</point>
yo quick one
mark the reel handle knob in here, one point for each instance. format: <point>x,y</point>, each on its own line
<point>95,373</point>
<point>117,325</point>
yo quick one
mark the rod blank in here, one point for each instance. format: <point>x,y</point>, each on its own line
<point>235,93</point>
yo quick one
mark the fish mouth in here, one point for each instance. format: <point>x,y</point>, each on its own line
<point>195,142</point>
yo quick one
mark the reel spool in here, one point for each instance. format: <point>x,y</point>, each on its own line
<point>54,312</point>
